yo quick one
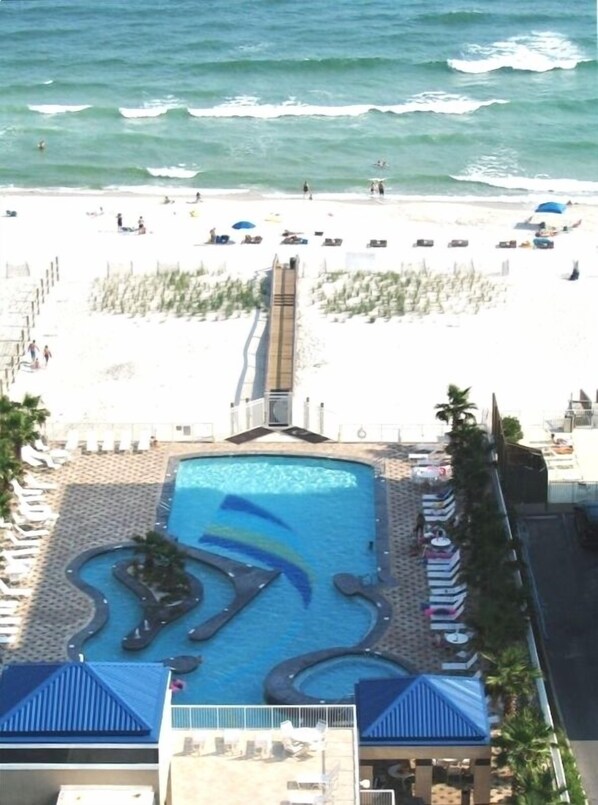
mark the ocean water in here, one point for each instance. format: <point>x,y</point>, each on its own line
<point>458,97</point>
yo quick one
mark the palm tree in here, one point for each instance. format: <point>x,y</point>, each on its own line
<point>20,421</point>
<point>162,566</point>
<point>458,410</point>
<point>538,788</point>
<point>512,676</point>
<point>524,746</point>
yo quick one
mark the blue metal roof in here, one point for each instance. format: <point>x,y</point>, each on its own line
<point>422,710</point>
<point>82,702</point>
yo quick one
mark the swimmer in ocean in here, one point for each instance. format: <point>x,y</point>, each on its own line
<point>41,145</point>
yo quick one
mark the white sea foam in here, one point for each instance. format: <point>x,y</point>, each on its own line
<point>143,111</point>
<point>57,109</point>
<point>539,184</point>
<point>435,102</point>
<point>538,52</point>
<point>49,81</point>
<point>172,173</point>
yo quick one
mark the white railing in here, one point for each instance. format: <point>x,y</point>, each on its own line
<point>58,431</point>
<point>385,796</point>
<point>214,717</point>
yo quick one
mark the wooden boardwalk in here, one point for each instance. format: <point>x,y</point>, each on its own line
<point>281,341</point>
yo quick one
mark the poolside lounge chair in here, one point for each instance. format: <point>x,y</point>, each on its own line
<point>8,605</point>
<point>57,454</point>
<point>440,515</point>
<point>91,442</point>
<point>456,589</point>
<point>108,442</point>
<point>443,601</point>
<point>38,484</point>
<point>27,494</point>
<point>461,666</point>
<point>36,459</point>
<point>446,569</point>
<point>10,630</point>
<point>7,639</point>
<point>125,441</point>
<point>19,542</point>
<point>10,620</point>
<point>437,579</point>
<point>446,563</point>
<point>29,532</point>
<point>442,494</point>
<point>19,592</point>
<point>143,445</point>
<point>439,503</point>
<point>72,441</point>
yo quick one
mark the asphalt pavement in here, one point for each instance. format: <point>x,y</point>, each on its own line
<point>565,579</point>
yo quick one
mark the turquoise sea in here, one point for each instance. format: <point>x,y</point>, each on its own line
<point>458,97</point>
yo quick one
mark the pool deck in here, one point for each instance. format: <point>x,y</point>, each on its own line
<point>106,499</point>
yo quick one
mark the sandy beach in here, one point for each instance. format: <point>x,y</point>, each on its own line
<point>532,343</point>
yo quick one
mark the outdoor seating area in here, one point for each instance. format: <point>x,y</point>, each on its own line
<point>108,441</point>
<point>23,537</point>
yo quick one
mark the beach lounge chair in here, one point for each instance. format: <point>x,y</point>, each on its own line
<point>91,442</point>
<point>36,459</point>
<point>32,482</point>
<point>28,494</point>
<point>72,441</point>
<point>424,242</point>
<point>507,244</point>
<point>10,620</point>
<point>108,442</point>
<point>377,244</point>
<point>461,666</point>
<point>19,592</point>
<point>332,242</point>
<point>56,453</point>
<point>143,445</point>
<point>457,242</point>
<point>125,441</point>
<point>27,533</point>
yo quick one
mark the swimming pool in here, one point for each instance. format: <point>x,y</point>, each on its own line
<point>309,519</point>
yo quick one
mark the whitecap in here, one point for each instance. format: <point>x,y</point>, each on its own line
<point>535,184</point>
<point>172,173</point>
<point>143,111</point>
<point>438,103</point>
<point>538,52</point>
<point>57,109</point>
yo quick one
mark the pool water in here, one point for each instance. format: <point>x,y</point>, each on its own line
<point>339,675</point>
<point>308,518</point>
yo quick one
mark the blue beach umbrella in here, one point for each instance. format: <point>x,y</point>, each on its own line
<point>552,206</point>
<point>243,225</point>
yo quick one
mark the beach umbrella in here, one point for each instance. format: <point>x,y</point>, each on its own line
<point>552,206</point>
<point>243,225</point>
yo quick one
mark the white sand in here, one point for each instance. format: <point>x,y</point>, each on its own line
<point>534,351</point>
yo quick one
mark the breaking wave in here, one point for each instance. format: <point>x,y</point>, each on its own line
<point>57,109</point>
<point>172,173</point>
<point>536,53</point>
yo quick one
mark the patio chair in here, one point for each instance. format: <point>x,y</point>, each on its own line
<point>56,453</point>
<point>324,780</point>
<point>198,741</point>
<point>19,592</point>
<point>21,491</point>
<point>36,459</point>
<point>143,445</point>
<point>461,666</point>
<point>232,741</point>
<point>263,744</point>
<point>125,441</point>
<point>37,484</point>
<point>91,442</point>
<point>108,441</point>
<point>72,441</point>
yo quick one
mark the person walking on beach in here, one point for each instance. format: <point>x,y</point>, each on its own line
<point>119,221</point>
<point>306,191</point>
<point>32,349</point>
<point>372,188</point>
<point>47,355</point>
<point>381,188</point>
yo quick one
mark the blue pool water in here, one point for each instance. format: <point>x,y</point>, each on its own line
<point>308,518</point>
<point>338,676</point>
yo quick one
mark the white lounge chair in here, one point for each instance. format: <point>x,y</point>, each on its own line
<point>10,620</point>
<point>72,441</point>
<point>10,629</point>
<point>456,589</point>
<point>325,780</point>
<point>446,600</point>
<point>449,575</point>
<point>19,592</point>
<point>7,639</point>
<point>125,441</point>
<point>27,533</point>
<point>36,512</point>
<point>37,484</point>
<point>28,453</point>
<point>14,542</point>
<point>461,666</point>
<point>108,441</point>
<point>91,442</point>
<point>8,605</point>
<point>443,580</point>
<point>433,497</point>
<point>29,494</point>
<point>143,445</point>
<point>56,453</point>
